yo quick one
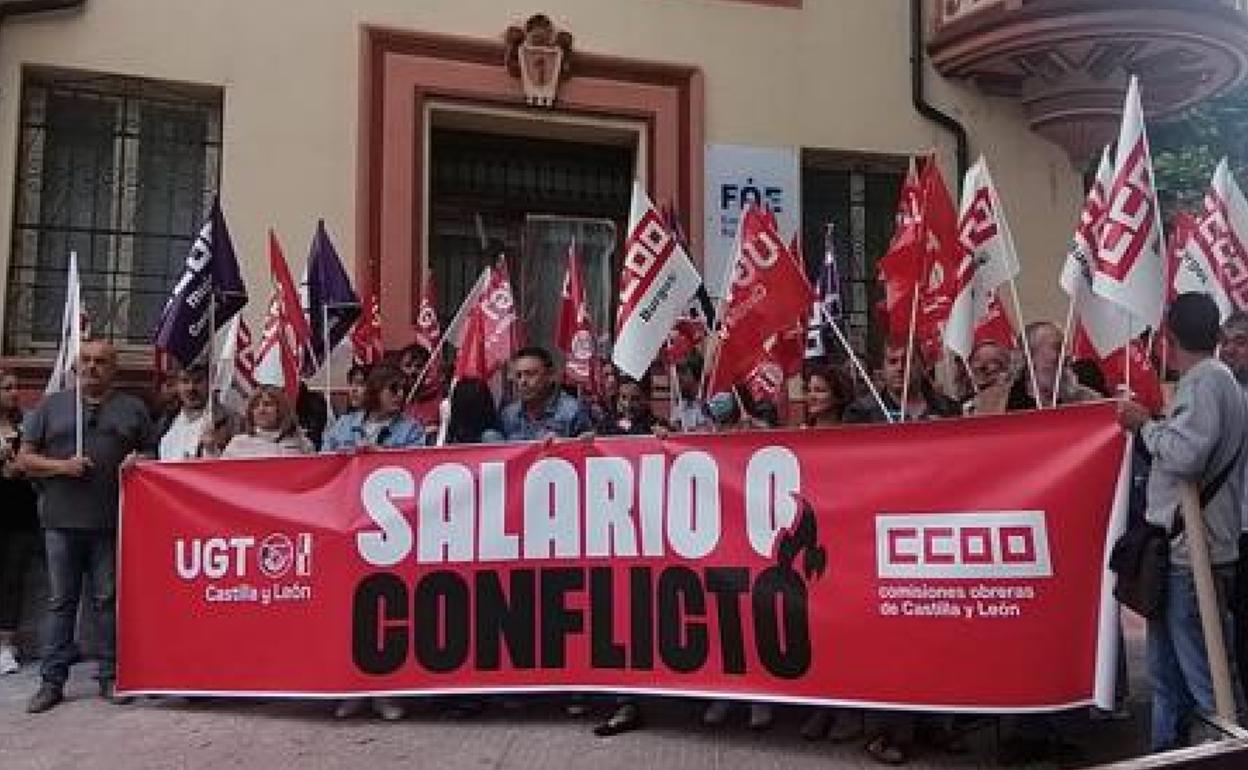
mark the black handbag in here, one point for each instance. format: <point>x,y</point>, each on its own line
<point>1141,557</point>
<point>1141,560</point>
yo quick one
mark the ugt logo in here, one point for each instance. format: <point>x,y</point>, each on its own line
<point>275,556</point>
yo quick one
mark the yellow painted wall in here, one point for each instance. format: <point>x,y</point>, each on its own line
<point>833,74</point>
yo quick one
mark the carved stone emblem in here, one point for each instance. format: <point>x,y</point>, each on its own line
<point>540,56</point>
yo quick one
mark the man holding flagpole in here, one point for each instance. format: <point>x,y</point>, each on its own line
<point>78,507</point>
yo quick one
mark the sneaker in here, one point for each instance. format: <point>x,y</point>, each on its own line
<point>8,660</point>
<point>108,691</point>
<point>348,708</point>
<point>388,709</point>
<point>48,696</point>
<point>716,713</point>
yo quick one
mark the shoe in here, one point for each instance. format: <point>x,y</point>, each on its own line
<point>47,696</point>
<point>8,660</point>
<point>884,750</point>
<point>716,713</point>
<point>816,725</point>
<point>388,709</point>
<point>108,691</point>
<point>761,715</point>
<point>348,708</point>
<point>627,717</point>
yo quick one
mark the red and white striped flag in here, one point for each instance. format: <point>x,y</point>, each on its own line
<point>1190,266</point>
<point>286,329</point>
<point>235,376</point>
<point>656,285</point>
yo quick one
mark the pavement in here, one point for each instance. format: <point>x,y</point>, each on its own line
<point>86,732</point>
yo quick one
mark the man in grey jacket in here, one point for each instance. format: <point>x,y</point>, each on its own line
<point>1234,353</point>
<point>1201,441</point>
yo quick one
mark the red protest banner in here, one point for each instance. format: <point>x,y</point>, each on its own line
<point>954,564</point>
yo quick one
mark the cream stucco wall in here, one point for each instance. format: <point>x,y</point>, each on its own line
<point>833,74</point>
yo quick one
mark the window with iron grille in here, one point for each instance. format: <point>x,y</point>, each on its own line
<point>120,171</point>
<point>857,194</point>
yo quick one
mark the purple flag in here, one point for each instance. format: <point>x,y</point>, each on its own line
<point>209,293</point>
<point>828,307</point>
<point>333,306</point>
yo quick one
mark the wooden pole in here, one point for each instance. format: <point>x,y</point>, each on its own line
<point>1207,599</point>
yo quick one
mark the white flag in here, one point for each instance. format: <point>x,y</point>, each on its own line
<point>656,285</point>
<point>989,258</point>
<point>1128,267</point>
<point>72,320</point>
<point>1221,235</point>
<point>235,377</point>
<point>1108,327</point>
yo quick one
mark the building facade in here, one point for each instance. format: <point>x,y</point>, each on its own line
<point>407,126</point>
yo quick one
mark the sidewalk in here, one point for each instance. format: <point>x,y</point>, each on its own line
<point>85,732</point>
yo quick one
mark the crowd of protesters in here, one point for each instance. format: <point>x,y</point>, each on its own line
<point>75,494</point>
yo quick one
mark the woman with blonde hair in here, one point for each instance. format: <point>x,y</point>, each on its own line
<point>270,428</point>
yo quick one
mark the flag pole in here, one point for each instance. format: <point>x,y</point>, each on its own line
<point>212,356</point>
<point>1031,363</point>
<point>862,372</point>
<point>1068,332</point>
<point>75,332</point>
<point>708,369</point>
<point>328,385</point>
<point>905,385</point>
<point>1126,360</point>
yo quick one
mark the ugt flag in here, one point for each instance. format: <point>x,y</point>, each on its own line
<point>286,329</point>
<point>656,284</point>
<point>210,288</point>
<point>333,306</point>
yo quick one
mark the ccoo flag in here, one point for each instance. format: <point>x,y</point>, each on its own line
<point>656,285</point>
<point>1129,261</point>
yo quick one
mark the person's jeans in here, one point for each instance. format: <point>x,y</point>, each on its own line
<point>1177,664</point>
<point>72,555</point>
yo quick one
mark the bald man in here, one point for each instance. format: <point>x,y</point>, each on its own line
<point>78,508</point>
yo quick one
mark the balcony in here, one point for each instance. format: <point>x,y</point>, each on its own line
<point>1068,61</point>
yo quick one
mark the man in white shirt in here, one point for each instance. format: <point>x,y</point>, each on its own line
<point>187,435</point>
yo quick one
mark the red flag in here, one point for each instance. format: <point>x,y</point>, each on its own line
<point>574,332</point>
<point>500,325</point>
<point>1145,383</point>
<point>366,345</point>
<point>996,326</point>
<point>940,282</point>
<point>286,329</point>
<point>429,333</point>
<point>899,268</point>
<point>471,360</point>
<point>769,292</point>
